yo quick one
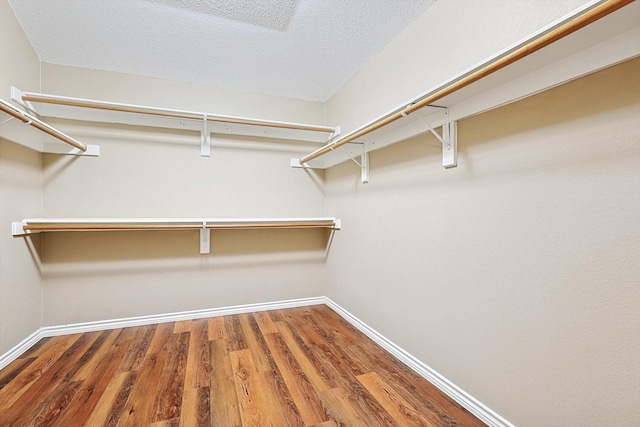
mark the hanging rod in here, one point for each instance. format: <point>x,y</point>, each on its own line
<point>39,124</point>
<point>203,225</point>
<point>177,114</point>
<point>530,45</point>
<point>28,226</point>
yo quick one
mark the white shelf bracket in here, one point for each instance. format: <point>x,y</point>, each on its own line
<point>364,166</point>
<point>18,230</point>
<point>335,134</point>
<point>205,139</point>
<point>450,149</point>
<point>57,148</point>
<point>205,239</point>
<point>449,140</point>
<point>16,96</point>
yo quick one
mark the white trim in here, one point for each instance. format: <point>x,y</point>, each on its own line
<point>20,348</point>
<point>474,406</point>
<point>101,325</point>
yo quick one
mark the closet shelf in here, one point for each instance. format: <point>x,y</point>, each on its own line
<point>527,67</point>
<point>64,107</point>
<point>204,225</point>
<point>19,131</point>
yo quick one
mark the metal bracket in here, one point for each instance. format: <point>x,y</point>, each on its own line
<point>450,150</point>
<point>205,139</point>
<point>56,148</point>
<point>449,140</point>
<point>364,166</point>
<point>205,239</point>
<point>16,96</point>
<point>17,230</point>
<point>335,134</point>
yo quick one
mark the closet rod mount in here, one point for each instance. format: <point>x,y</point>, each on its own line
<point>28,119</point>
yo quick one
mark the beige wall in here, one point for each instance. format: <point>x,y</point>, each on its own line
<point>143,172</point>
<point>516,274</point>
<point>20,196</point>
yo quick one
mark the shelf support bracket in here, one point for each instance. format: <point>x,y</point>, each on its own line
<point>450,149</point>
<point>205,139</point>
<point>364,166</point>
<point>205,239</point>
<point>449,140</point>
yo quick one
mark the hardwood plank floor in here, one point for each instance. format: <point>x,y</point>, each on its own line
<point>294,367</point>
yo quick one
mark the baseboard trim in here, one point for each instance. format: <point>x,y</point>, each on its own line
<point>474,406</point>
<point>467,401</point>
<point>52,331</point>
<point>20,348</point>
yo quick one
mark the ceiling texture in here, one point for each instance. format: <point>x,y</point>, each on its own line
<point>305,49</point>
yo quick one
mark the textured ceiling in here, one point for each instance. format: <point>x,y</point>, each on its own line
<point>305,49</point>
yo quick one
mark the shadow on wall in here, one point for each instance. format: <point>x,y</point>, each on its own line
<point>606,90</point>
<point>123,252</point>
<point>481,138</point>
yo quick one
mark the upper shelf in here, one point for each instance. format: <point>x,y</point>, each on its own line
<point>65,107</point>
<point>21,127</point>
<point>609,40</point>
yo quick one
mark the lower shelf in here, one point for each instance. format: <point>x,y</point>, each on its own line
<point>204,225</point>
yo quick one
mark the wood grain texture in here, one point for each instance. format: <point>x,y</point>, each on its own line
<point>304,367</point>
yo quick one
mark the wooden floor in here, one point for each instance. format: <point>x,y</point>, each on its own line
<point>295,367</point>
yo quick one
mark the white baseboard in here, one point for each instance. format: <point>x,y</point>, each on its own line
<point>456,393</point>
<point>20,348</point>
<point>467,401</point>
<point>102,325</point>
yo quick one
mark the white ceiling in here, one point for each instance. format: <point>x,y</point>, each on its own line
<point>306,49</point>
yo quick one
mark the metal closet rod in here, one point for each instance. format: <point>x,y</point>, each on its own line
<point>585,18</point>
<point>169,226</point>
<point>39,124</point>
<point>177,114</point>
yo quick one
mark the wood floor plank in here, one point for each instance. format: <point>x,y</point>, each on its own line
<point>225,409</point>
<point>99,351</point>
<point>199,360</point>
<point>392,402</point>
<point>265,323</point>
<point>62,367</point>
<point>303,366</point>
<point>168,402</point>
<point>234,333</point>
<point>84,402</point>
<point>217,329</point>
<point>412,387</point>
<point>320,377</point>
<point>250,391</point>
<point>182,326</point>
<point>134,358</point>
<point>161,337</point>
<point>22,382</point>
<point>51,406</point>
<point>331,358</point>
<point>302,390</point>
<point>111,404</point>
<point>138,410</point>
<point>329,423</point>
<point>13,369</point>
<point>340,405</point>
<point>277,397</point>
<point>255,343</point>
<point>196,408</point>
